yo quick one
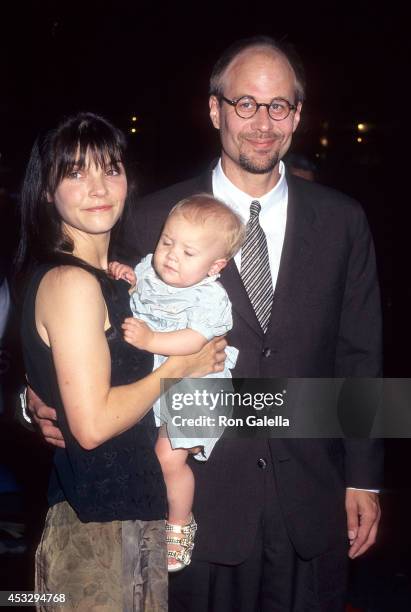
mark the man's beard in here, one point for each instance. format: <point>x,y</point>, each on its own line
<point>264,166</point>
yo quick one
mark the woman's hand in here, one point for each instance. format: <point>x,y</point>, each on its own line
<point>210,359</point>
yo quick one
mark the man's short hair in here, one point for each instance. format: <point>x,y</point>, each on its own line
<point>284,49</point>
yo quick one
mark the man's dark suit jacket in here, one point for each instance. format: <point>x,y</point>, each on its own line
<point>325,322</point>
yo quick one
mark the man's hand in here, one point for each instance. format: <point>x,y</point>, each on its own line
<point>118,270</point>
<point>137,333</point>
<point>44,416</point>
<point>363,516</point>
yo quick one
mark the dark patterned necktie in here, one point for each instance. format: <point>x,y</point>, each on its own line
<point>255,267</point>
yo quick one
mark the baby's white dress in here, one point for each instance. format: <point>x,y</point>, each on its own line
<point>205,308</point>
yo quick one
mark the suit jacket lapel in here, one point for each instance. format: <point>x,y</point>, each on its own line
<point>301,235</point>
<point>231,280</point>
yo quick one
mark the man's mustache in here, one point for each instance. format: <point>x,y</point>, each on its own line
<point>260,136</point>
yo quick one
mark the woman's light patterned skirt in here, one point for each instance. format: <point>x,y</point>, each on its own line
<point>119,566</point>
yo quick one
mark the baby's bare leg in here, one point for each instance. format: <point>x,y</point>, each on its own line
<point>179,480</point>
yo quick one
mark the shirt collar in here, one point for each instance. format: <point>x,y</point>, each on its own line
<point>240,201</point>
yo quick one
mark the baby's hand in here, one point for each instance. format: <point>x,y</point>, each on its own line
<point>137,333</point>
<point>118,270</point>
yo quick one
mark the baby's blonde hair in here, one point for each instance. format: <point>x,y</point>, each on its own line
<point>202,208</point>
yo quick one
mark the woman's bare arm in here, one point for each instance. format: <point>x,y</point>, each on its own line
<point>70,316</point>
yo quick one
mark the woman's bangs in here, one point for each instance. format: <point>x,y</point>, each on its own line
<point>75,151</point>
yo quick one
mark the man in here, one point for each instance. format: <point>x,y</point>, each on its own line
<point>273,515</point>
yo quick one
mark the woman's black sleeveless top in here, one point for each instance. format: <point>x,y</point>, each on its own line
<point>121,479</point>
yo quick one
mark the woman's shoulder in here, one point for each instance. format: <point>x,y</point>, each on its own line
<point>68,283</point>
<point>71,295</point>
<point>66,275</point>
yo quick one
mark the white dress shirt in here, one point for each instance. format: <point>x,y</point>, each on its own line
<point>273,214</point>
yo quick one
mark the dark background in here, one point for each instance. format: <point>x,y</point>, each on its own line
<point>152,60</point>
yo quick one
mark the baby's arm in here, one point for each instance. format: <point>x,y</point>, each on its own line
<point>118,270</point>
<point>181,342</point>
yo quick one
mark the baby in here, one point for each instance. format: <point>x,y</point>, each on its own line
<point>179,306</point>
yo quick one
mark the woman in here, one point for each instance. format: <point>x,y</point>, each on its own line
<point>103,543</point>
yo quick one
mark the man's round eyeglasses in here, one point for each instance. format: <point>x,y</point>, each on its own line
<point>246,107</point>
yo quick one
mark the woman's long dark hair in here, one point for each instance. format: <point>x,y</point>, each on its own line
<point>53,156</point>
